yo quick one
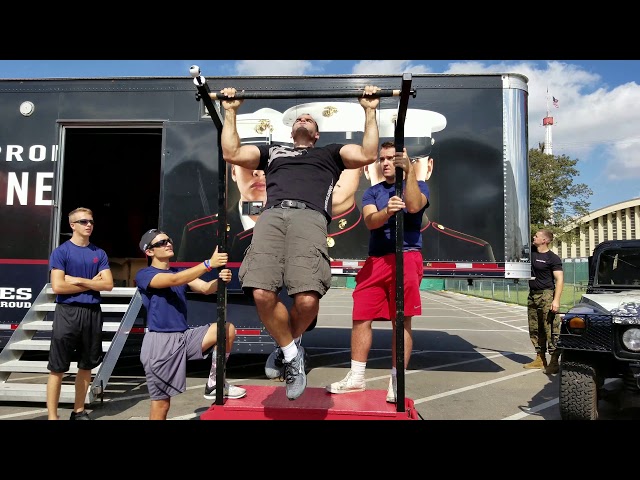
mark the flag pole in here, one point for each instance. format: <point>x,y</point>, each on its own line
<point>547,100</point>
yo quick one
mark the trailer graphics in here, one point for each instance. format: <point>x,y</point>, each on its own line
<point>142,153</point>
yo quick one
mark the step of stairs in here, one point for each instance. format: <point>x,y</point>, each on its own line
<point>105,307</point>
<point>35,366</point>
<point>41,345</point>
<point>33,392</point>
<point>47,326</point>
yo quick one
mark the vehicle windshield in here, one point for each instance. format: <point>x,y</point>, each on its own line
<point>619,267</point>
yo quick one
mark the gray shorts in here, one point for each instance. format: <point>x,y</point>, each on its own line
<point>289,247</point>
<point>164,357</point>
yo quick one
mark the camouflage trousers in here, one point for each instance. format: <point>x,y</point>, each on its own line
<point>544,325</point>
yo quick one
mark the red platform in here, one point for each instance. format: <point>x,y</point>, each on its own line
<point>271,403</point>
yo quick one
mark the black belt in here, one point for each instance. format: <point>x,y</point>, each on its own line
<point>290,204</point>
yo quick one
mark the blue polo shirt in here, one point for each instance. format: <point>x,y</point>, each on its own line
<point>166,307</point>
<point>83,262</point>
<point>381,241</point>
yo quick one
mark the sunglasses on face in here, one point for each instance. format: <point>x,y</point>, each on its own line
<point>84,221</point>
<point>160,243</point>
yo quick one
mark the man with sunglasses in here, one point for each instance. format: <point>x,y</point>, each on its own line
<point>169,342</point>
<point>79,272</point>
<point>289,244</point>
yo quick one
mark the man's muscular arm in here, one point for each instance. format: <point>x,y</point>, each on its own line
<point>355,156</point>
<point>67,284</point>
<point>413,196</point>
<point>247,156</point>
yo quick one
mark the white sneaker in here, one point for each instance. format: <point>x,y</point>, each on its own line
<point>230,391</point>
<point>233,391</point>
<point>392,390</point>
<point>347,385</point>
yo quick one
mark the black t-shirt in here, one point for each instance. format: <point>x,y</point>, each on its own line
<point>306,175</point>
<point>542,267</point>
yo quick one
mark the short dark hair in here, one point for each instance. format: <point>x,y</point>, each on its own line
<point>148,236</point>
<point>547,233</point>
<point>387,144</point>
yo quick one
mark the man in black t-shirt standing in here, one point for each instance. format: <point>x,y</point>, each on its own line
<point>289,245</point>
<point>543,303</point>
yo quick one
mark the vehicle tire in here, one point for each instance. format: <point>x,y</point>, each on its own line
<point>578,391</point>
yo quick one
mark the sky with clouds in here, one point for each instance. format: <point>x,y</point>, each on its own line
<point>596,120</point>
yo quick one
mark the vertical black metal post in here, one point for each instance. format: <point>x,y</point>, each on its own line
<point>399,237</point>
<point>221,347</point>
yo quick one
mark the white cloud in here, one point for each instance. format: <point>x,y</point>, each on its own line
<point>387,67</point>
<point>625,161</point>
<point>275,67</point>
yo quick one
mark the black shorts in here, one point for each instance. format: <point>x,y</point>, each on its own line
<point>76,336</point>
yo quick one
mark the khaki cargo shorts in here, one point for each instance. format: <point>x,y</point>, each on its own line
<point>289,248</point>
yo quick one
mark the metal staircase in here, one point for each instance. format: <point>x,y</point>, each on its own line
<point>38,319</point>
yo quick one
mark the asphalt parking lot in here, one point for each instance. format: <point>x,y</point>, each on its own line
<point>466,365</point>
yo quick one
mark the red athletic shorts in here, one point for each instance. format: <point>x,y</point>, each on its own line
<point>375,294</point>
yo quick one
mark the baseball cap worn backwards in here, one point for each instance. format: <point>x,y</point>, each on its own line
<point>148,237</point>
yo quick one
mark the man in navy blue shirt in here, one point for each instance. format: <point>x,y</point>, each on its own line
<point>374,295</point>
<point>169,342</point>
<point>79,272</point>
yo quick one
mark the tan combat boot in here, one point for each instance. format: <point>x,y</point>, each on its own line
<point>539,362</point>
<point>554,366</point>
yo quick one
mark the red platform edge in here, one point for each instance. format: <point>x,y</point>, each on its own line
<point>271,403</point>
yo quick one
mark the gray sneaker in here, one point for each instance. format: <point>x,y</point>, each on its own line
<point>295,376</point>
<point>274,368</point>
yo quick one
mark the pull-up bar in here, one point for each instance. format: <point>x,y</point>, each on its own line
<point>306,94</point>
<point>199,81</point>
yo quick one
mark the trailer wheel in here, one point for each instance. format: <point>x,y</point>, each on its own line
<point>578,391</point>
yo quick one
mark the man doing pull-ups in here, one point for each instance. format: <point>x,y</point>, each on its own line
<point>289,245</point>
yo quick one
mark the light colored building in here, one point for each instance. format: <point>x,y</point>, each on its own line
<point>615,222</point>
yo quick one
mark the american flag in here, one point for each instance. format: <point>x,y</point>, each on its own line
<point>555,102</point>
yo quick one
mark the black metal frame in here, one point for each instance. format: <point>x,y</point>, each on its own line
<point>399,236</point>
<point>205,94</point>
<point>221,344</point>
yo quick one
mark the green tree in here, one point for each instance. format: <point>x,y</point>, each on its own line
<point>555,200</point>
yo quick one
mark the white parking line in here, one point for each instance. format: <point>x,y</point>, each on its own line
<point>22,414</point>
<point>536,409</point>
<point>477,385</point>
<point>490,318</point>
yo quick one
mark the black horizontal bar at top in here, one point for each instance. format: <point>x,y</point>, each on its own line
<point>308,94</point>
